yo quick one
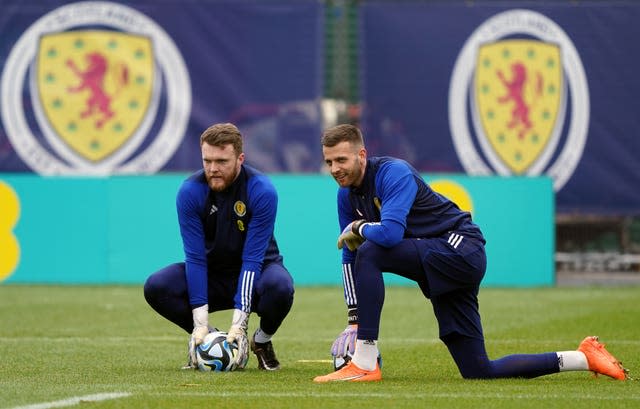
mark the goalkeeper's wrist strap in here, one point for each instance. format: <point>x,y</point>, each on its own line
<point>240,318</point>
<point>352,315</point>
<point>356,227</point>
<point>201,316</point>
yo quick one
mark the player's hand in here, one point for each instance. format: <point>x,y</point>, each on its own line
<point>350,236</point>
<point>238,333</point>
<point>200,330</point>
<point>197,337</point>
<point>345,342</point>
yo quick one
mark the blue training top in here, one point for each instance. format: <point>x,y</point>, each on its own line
<point>400,204</point>
<point>227,233</point>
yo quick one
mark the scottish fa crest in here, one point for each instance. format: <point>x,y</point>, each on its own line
<point>95,89</point>
<point>95,73</point>
<point>518,91</point>
<point>508,98</point>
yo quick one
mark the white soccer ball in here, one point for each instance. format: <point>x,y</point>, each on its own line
<point>216,354</point>
<point>340,361</point>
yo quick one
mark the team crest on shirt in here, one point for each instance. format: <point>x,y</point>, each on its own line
<point>510,88</point>
<point>240,208</point>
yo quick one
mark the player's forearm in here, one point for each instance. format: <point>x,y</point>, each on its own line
<point>387,233</point>
<point>249,274</point>
<point>196,275</point>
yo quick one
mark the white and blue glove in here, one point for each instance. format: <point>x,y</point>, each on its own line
<point>351,236</point>
<point>238,334</point>
<point>200,330</point>
<point>345,343</point>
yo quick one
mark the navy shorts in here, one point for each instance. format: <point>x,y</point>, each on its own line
<point>166,292</point>
<point>448,270</point>
<point>454,266</point>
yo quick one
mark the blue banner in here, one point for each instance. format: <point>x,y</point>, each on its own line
<point>127,88</point>
<point>482,88</point>
<point>492,88</point>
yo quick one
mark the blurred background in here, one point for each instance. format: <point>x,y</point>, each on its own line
<point>524,113</point>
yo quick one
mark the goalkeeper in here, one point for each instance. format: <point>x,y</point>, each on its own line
<point>226,213</point>
<point>392,221</point>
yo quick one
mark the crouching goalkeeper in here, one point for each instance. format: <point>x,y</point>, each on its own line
<point>226,213</point>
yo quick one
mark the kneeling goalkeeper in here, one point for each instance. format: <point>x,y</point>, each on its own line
<point>393,221</point>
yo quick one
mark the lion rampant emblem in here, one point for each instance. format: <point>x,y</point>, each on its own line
<point>92,79</point>
<point>520,114</point>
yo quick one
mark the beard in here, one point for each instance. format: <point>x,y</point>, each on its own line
<point>218,183</point>
<point>349,177</point>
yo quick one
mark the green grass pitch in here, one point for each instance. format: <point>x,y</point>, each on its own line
<point>59,343</point>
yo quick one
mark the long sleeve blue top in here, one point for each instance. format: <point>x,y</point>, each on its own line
<point>227,233</point>
<point>397,202</point>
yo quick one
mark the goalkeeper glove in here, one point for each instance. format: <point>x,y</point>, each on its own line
<point>200,330</point>
<point>345,343</point>
<point>351,235</point>
<point>238,334</point>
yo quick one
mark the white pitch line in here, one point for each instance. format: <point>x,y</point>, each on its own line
<point>315,361</point>
<point>75,400</point>
<point>384,341</point>
<point>401,395</point>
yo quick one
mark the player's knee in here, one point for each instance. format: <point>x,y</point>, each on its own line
<point>284,290</point>
<point>477,367</point>
<point>371,252</point>
<point>153,288</point>
<point>469,355</point>
<point>278,288</point>
<point>168,280</point>
<point>476,371</point>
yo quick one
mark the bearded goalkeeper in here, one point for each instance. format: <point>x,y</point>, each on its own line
<point>226,212</point>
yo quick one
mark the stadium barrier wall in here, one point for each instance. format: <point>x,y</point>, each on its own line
<point>120,229</point>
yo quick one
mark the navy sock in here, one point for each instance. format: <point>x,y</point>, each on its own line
<point>471,358</point>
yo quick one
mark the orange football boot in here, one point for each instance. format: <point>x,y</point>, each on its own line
<point>600,360</point>
<point>351,373</point>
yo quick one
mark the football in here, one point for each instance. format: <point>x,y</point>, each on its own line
<point>216,354</point>
<point>340,361</point>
